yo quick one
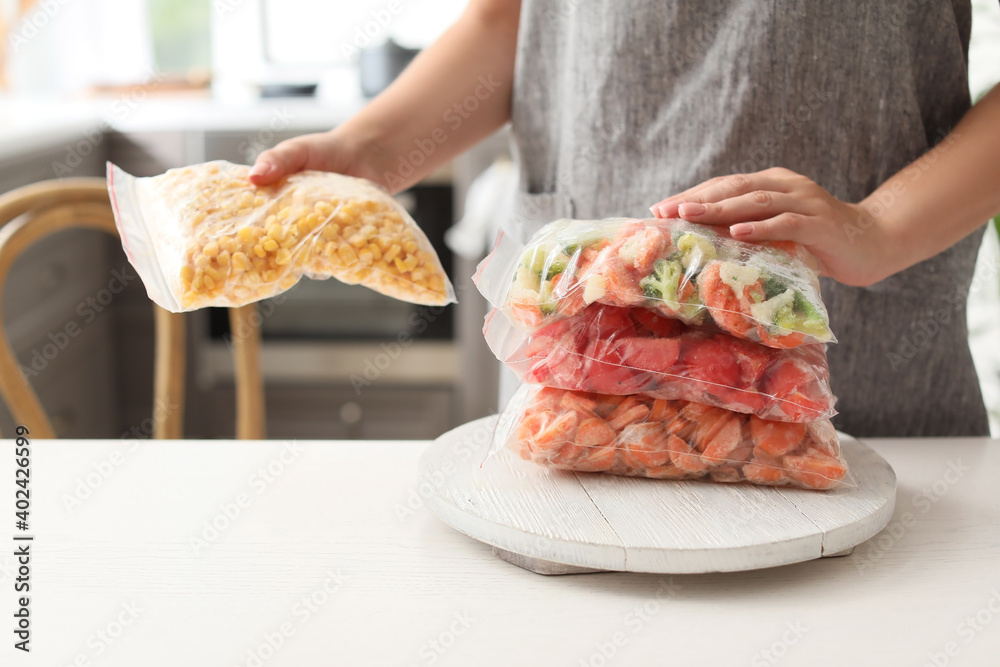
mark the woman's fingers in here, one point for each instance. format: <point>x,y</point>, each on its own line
<point>726,187</point>
<point>802,229</point>
<point>756,205</point>
<point>275,163</point>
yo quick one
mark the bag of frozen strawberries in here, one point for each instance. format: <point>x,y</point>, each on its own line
<point>621,351</point>
<point>663,439</point>
<point>764,292</point>
<point>205,236</point>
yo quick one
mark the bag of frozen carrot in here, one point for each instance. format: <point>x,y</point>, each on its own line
<point>615,350</point>
<point>764,292</point>
<point>644,437</point>
<point>204,235</point>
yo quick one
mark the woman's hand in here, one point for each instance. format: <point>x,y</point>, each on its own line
<point>781,205</point>
<point>323,151</point>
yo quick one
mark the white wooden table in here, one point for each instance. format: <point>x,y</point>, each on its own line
<point>333,560</point>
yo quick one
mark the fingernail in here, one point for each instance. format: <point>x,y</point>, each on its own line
<point>261,169</point>
<point>742,229</point>
<point>692,209</point>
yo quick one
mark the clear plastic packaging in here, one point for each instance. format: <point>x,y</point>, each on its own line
<point>621,351</point>
<point>205,236</point>
<point>644,437</point>
<point>767,292</point>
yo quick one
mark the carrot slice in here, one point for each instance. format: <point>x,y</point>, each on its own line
<point>580,404</point>
<point>644,445</point>
<point>724,441</point>
<point>596,459</point>
<point>525,311</point>
<point>662,410</point>
<point>560,430</point>
<point>594,432</point>
<point>776,438</point>
<point>666,472</point>
<point>814,472</point>
<point>684,457</point>
<point>764,469</point>
<point>728,309</point>
<point>783,340</point>
<point>634,414</point>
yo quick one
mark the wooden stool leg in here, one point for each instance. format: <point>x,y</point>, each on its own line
<point>168,393</point>
<point>244,323</point>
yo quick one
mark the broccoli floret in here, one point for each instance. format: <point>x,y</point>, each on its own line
<point>545,261</point>
<point>773,287</point>
<point>810,320</point>
<point>663,282</point>
<point>791,311</point>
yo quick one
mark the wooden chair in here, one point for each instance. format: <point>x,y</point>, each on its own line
<point>32,212</point>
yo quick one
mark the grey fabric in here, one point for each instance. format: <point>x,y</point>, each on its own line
<point>620,103</point>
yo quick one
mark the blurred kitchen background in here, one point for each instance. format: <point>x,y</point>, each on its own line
<point>156,84</point>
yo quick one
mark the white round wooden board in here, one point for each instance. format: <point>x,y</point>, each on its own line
<point>607,522</point>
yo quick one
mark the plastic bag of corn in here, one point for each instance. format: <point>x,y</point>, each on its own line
<point>204,235</point>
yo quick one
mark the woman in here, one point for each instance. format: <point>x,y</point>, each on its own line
<point>783,121</point>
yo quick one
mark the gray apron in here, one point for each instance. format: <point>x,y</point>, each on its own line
<point>620,103</point>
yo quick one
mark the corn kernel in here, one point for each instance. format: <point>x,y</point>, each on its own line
<point>347,254</point>
<point>240,261</point>
<point>375,251</point>
<point>323,208</point>
<point>276,232</point>
<point>246,235</point>
<point>228,244</point>
<point>393,252</point>
<point>283,257</point>
<point>208,282</point>
<point>259,250</point>
<point>222,259</point>
<point>187,273</point>
<point>269,244</point>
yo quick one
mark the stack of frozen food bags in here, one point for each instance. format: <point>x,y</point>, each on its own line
<point>664,349</point>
